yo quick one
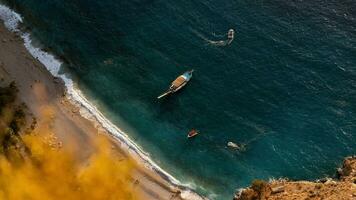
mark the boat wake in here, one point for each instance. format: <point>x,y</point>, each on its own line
<point>219,43</point>
<point>12,20</point>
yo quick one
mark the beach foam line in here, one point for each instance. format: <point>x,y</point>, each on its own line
<point>12,20</point>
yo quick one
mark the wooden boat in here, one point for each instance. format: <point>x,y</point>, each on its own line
<point>192,133</point>
<point>177,84</point>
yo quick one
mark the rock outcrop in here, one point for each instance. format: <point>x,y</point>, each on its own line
<point>344,188</point>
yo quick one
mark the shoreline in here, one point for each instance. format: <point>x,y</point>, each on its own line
<point>84,110</point>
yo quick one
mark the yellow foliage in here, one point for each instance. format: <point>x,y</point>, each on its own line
<point>52,173</point>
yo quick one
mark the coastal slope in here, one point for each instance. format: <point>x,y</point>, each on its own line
<point>327,189</point>
<point>39,90</point>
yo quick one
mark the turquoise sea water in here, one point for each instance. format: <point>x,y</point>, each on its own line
<point>286,85</point>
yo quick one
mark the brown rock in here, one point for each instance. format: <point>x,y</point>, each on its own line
<point>325,188</point>
<point>277,189</point>
<point>246,194</point>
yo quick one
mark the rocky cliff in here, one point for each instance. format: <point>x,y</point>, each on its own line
<point>344,188</point>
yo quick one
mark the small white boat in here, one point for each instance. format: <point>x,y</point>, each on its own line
<point>232,145</point>
<point>230,36</point>
<point>241,147</point>
<point>178,83</point>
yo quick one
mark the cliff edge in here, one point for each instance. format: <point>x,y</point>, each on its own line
<point>344,188</point>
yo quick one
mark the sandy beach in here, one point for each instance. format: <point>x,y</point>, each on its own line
<point>38,89</point>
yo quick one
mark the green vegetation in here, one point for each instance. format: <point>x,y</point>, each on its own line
<point>19,119</point>
<point>12,119</point>
<point>261,189</point>
<point>7,95</point>
<point>258,185</point>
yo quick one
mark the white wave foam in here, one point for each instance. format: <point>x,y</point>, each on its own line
<point>11,19</point>
<point>87,109</point>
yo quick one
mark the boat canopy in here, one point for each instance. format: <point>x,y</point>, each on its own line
<point>188,75</point>
<point>179,81</point>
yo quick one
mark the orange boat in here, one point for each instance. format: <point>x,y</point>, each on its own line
<point>192,133</point>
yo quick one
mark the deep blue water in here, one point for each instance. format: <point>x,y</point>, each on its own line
<point>286,85</point>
